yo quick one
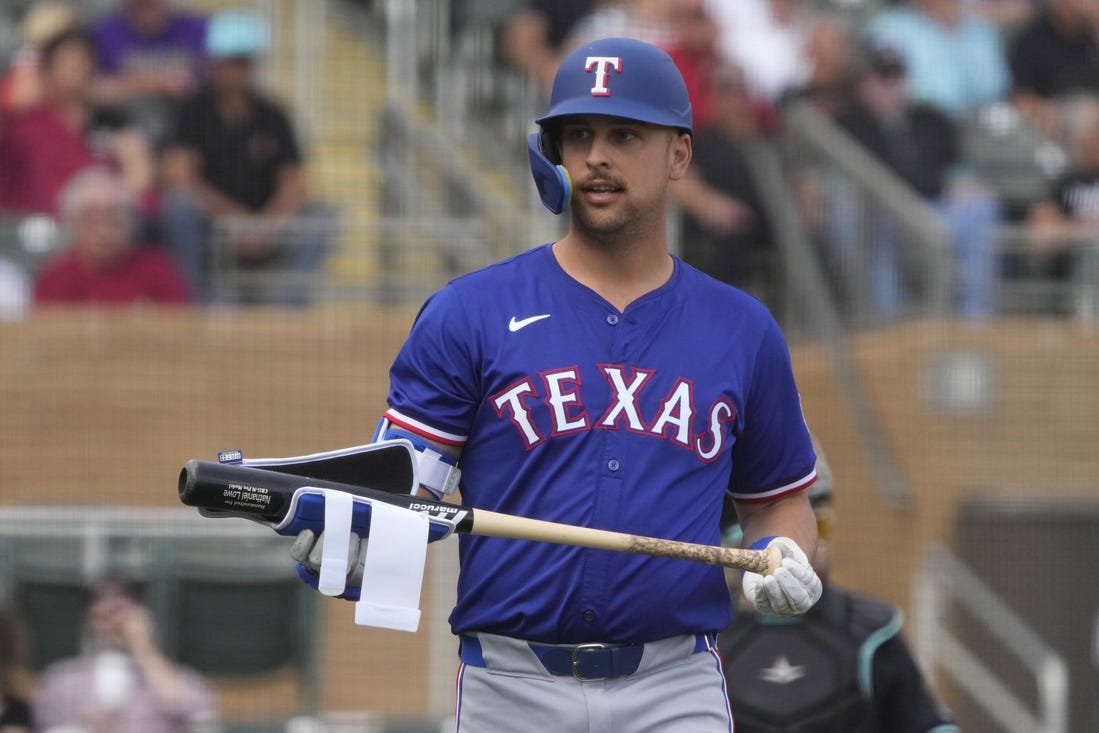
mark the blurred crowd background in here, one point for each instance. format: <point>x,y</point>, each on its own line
<point>217,220</point>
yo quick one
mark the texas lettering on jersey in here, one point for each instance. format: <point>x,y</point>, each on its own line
<point>559,390</point>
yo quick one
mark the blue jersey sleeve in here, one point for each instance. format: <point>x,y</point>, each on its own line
<point>773,454</point>
<point>434,380</point>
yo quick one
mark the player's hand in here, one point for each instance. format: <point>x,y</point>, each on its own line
<point>792,589</point>
<point>308,548</point>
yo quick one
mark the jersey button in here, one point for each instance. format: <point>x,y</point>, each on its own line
<point>589,616</point>
<point>612,319</point>
<point>613,464</point>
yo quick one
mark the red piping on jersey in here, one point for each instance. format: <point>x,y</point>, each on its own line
<point>427,434</point>
<point>779,492</point>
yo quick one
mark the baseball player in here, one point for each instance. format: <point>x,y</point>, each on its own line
<point>600,381</point>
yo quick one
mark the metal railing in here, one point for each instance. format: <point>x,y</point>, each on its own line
<point>458,192</point>
<point>1054,273</point>
<point>811,311</point>
<point>271,260</point>
<point>853,204</point>
<point>943,582</point>
<point>299,62</point>
<point>92,533</point>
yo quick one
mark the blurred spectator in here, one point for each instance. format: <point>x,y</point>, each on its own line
<point>233,165</point>
<point>120,682</point>
<point>1007,14</point>
<point>725,229</point>
<point>843,666</point>
<point>832,63</point>
<point>533,36</point>
<point>693,47</point>
<point>919,143</point>
<point>151,53</point>
<point>955,57</point>
<point>15,713</point>
<point>1054,56</point>
<point>15,292</point>
<point>1064,228</point>
<point>643,20</point>
<point>768,39</point>
<point>43,146</point>
<point>104,263</point>
<point>20,87</point>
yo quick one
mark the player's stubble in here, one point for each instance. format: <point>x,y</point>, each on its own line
<point>619,225</point>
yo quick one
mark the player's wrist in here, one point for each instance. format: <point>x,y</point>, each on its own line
<point>762,542</point>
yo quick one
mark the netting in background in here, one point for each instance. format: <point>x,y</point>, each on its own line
<point>974,439</point>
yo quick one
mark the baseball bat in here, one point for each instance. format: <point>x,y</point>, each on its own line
<point>236,490</point>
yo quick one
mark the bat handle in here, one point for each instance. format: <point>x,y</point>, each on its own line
<point>774,559</point>
<point>764,561</point>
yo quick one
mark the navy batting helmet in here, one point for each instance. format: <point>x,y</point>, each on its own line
<point>620,77</point>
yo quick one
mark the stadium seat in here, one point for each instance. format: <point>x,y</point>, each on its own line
<point>53,613</point>
<point>237,610</point>
<point>236,628</point>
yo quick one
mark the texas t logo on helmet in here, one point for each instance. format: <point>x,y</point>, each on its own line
<point>620,77</point>
<point>601,64</point>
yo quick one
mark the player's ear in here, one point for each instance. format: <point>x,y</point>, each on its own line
<point>680,151</point>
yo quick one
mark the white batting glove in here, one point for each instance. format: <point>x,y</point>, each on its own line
<point>792,589</point>
<point>308,549</point>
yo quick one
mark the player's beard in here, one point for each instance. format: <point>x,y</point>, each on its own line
<point>610,227</point>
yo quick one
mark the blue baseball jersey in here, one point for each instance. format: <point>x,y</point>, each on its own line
<point>570,411</point>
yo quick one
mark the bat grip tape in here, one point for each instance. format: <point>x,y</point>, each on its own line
<point>338,510</point>
<point>393,565</point>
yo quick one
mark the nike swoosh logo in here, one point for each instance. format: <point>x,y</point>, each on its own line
<point>514,325</point>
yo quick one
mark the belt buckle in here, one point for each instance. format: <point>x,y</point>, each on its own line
<point>576,650</point>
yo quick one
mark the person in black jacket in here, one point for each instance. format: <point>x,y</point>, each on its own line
<point>919,143</point>
<point>236,177</point>
<point>1054,57</point>
<point>843,666</point>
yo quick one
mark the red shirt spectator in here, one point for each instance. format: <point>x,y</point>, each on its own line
<point>39,151</point>
<point>144,274</point>
<point>104,263</point>
<point>693,48</point>
<point>43,146</point>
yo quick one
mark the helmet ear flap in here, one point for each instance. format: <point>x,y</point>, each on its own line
<point>550,177</point>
